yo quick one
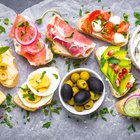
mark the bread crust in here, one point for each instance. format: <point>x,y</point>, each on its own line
<point>2,97</point>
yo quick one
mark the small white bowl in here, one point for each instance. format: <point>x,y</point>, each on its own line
<point>71,109</point>
<point>132,46</point>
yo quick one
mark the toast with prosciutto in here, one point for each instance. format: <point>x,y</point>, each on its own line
<point>66,41</point>
<point>105,26</point>
<point>28,42</point>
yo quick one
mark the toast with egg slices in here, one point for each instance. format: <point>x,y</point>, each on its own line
<point>66,41</point>
<point>127,108</point>
<point>8,69</point>
<point>2,97</point>
<point>119,83</point>
<point>105,26</point>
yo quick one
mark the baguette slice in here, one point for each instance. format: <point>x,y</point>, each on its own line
<point>59,49</point>
<point>97,35</point>
<point>2,97</point>
<point>98,54</point>
<point>12,69</point>
<point>120,103</point>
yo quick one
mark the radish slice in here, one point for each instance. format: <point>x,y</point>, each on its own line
<point>26,34</point>
<point>131,107</point>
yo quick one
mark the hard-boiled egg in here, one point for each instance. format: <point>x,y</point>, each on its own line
<point>31,100</point>
<point>44,81</point>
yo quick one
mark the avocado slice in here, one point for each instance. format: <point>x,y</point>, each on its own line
<point>124,83</point>
<point>104,68</point>
<point>105,54</point>
<point>125,62</point>
<point>121,54</point>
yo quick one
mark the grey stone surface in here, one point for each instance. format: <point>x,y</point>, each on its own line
<point>62,127</point>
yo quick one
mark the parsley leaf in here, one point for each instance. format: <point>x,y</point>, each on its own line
<point>70,36</point>
<point>20,24</point>
<point>2,29</point>
<point>6,21</point>
<point>103,112</point>
<point>137,16</point>
<point>4,49</point>
<point>55,75</point>
<point>46,125</point>
<point>30,96</point>
<point>125,16</point>
<point>39,45</point>
<point>43,74</point>
<point>131,128</point>
<point>68,62</point>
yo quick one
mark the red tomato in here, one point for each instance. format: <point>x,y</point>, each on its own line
<point>123,27</point>
<point>94,15</point>
<point>106,15</point>
<point>109,27</point>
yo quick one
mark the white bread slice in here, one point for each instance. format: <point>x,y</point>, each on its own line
<point>58,49</point>
<point>98,54</point>
<point>98,35</point>
<point>120,103</point>
<point>2,97</point>
<point>12,69</point>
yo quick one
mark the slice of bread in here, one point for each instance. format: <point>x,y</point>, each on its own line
<point>2,97</point>
<point>59,49</point>
<point>12,70</point>
<point>98,54</point>
<point>98,35</point>
<point>120,103</point>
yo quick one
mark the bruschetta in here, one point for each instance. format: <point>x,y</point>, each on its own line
<point>105,26</point>
<point>66,41</point>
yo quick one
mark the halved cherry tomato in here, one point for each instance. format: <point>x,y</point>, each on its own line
<point>109,27</point>
<point>123,27</point>
<point>106,15</point>
<point>94,15</point>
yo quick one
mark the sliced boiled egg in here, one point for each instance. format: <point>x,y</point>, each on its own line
<point>97,25</point>
<point>115,19</point>
<point>44,81</point>
<point>119,38</point>
<point>31,100</point>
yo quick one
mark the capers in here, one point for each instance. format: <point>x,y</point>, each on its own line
<point>84,75</point>
<point>3,75</point>
<point>75,90</point>
<point>3,66</point>
<point>81,84</point>
<point>75,77</point>
<point>79,108</point>
<point>89,105</point>
<point>69,82</point>
<point>71,102</point>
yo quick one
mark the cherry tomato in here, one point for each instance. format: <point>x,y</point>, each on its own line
<point>94,15</point>
<point>109,27</point>
<point>123,27</point>
<point>106,15</point>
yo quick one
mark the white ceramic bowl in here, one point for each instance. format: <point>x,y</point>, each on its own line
<point>71,109</point>
<point>132,45</point>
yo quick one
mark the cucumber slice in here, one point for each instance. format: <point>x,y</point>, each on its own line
<point>131,108</point>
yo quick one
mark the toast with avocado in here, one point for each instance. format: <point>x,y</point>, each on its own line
<point>116,67</point>
<point>130,105</point>
<point>8,68</point>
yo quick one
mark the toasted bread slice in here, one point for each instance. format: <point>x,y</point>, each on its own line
<point>12,70</point>
<point>98,54</point>
<point>2,97</point>
<point>59,49</point>
<point>97,35</point>
<point>120,103</point>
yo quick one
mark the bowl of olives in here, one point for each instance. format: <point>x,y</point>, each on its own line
<point>81,91</point>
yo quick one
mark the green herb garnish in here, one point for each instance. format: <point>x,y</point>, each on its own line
<point>66,21</point>
<point>39,46</point>
<point>116,27</point>
<point>4,49</point>
<point>43,74</point>
<point>29,95</point>
<point>125,16</point>
<point>134,87</point>
<point>103,112</point>
<point>99,0</point>
<point>9,100</point>
<point>86,12</point>
<point>55,75</point>
<point>131,128</point>
<point>2,29</point>
<point>46,125</point>
<point>137,16</point>
<point>112,113</point>
<point>68,62</point>
<point>102,61</point>
<point>6,21</point>
<point>20,24</point>
<point>70,36</point>
<point>80,12</point>
<point>24,89</point>
<point>113,60</point>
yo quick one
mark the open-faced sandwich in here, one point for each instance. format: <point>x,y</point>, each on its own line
<point>8,68</point>
<point>130,105</point>
<point>116,68</point>
<point>66,41</point>
<point>39,89</point>
<point>2,97</point>
<point>28,42</point>
<point>105,26</point>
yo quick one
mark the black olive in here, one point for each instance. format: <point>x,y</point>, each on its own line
<point>82,97</point>
<point>66,92</point>
<point>95,85</point>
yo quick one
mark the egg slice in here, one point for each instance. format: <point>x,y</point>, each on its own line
<point>44,81</point>
<point>31,100</point>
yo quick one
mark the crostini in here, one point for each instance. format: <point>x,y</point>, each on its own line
<point>105,26</point>
<point>39,88</point>
<point>8,68</point>
<point>28,42</point>
<point>2,97</point>
<point>130,105</point>
<point>66,41</point>
<point>116,68</point>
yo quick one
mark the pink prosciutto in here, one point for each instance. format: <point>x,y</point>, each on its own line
<point>75,43</point>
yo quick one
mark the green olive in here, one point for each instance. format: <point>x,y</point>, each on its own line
<point>3,66</point>
<point>82,84</point>
<point>84,75</point>
<point>3,75</point>
<point>69,82</point>
<point>75,90</point>
<point>71,102</point>
<point>92,94</point>
<point>96,96</point>
<point>75,77</point>
<point>0,58</point>
<point>78,108</point>
<point>89,105</point>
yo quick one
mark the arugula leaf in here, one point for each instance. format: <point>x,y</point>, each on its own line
<point>131,128</point>
<point>43,74</point>
<point>137,16</point>
<point>6,21</point>
<point>102,61</point>
<point>4,49</point>
<point>70,36</point>
<point>113,60</point>
<point>2,29</point>
<point>125,16</point>
<point>55,75</point>
<point>46,125</point>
